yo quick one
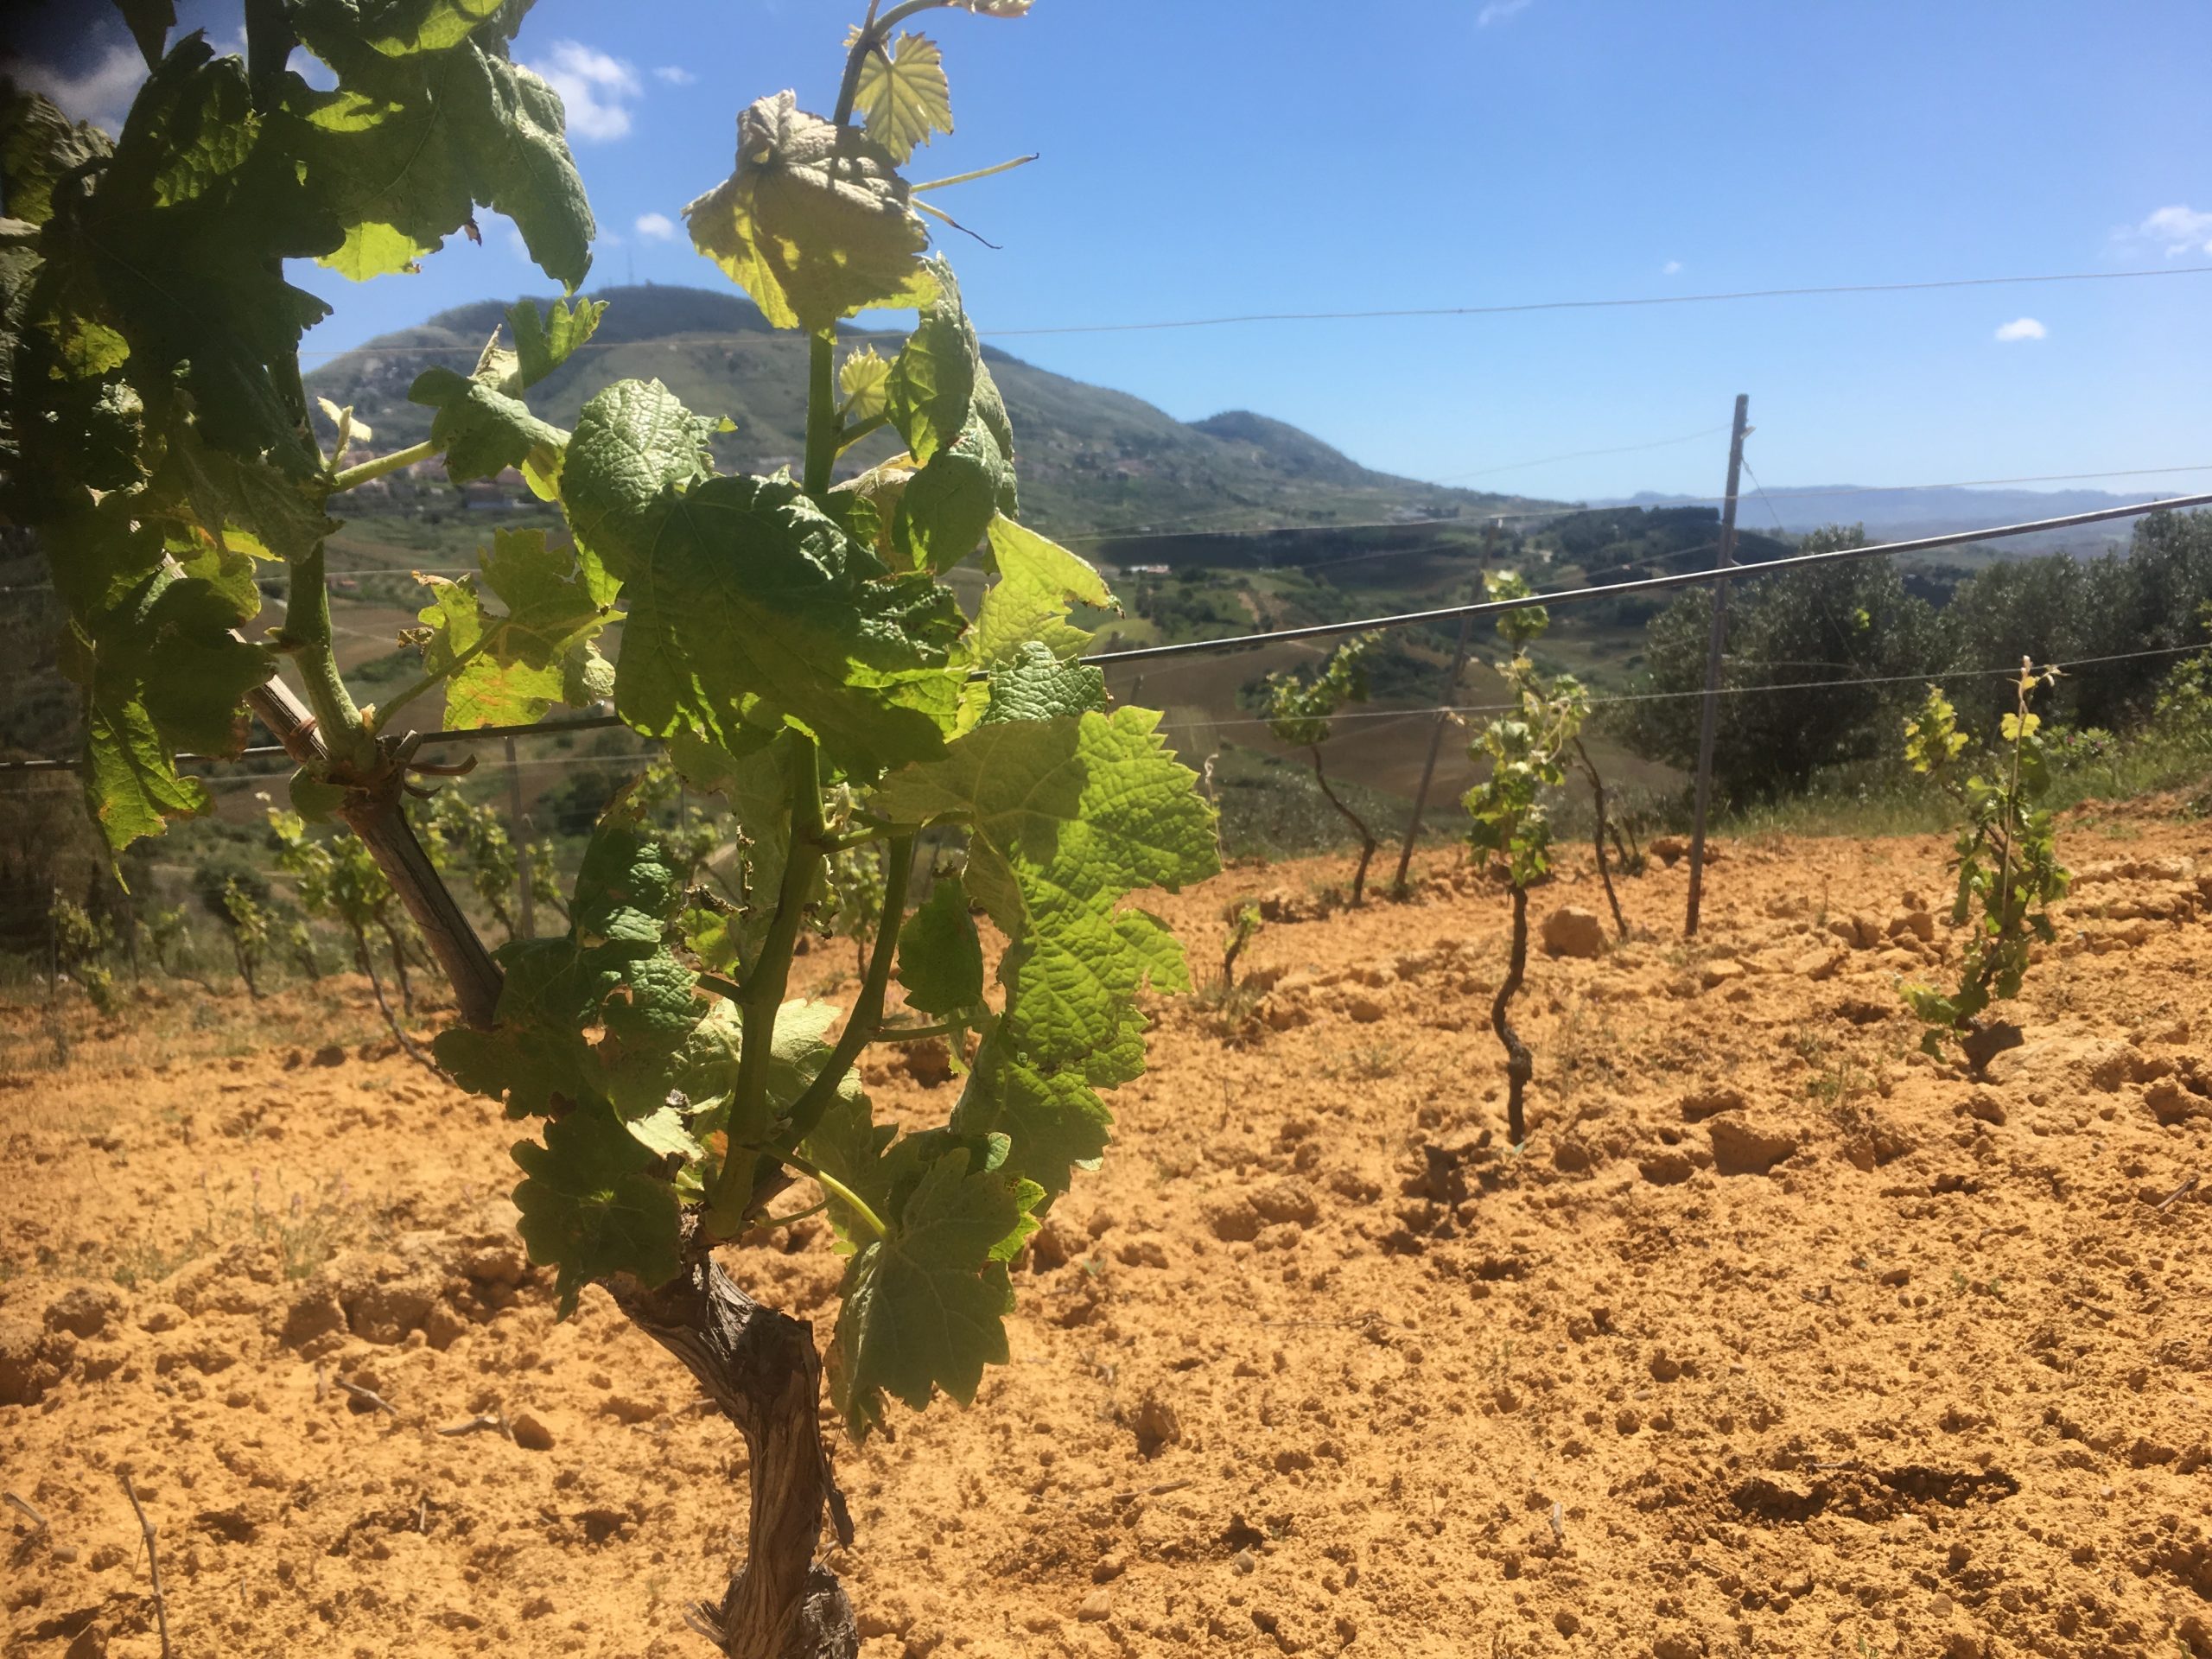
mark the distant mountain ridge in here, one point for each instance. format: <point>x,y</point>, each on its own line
<point>1091,460</point>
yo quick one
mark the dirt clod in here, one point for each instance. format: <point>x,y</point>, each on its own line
<point>1571,931</point>
<point>1156,1427</point>
<point>1234,1219</point>
<point>1740,1147</point>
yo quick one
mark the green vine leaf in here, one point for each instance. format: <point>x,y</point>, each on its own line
<point>592,1204</point>
<point>1038,686</point>
<point>613,977</point>
<point>227,570</point>
<point>749,608</point>
<point>394,29</point>
<point>856,1152</point>
<point>925,1307</point>
<point>241,502</point>
<point>756,784</point>
<point>429,119</point>
<point>648,1024</point>
<point>504,669</point>
<point>942,399</point>
<point>535,1056</point>
<point>170,675</point>
<point>940,954</point>
<point>933,382</point>
<point>202,191</point>
<point>945,508</point>
<point>543,343</point>
<point>1067,818</point>
<point>862,378</point>
<point>1053,1115</point>
<point>150,22</point>
<point>132,784</point>
<point>902,95</point>
<point>160,669</point>
<point>632,441</point>
<point>483,431</point>
<point>1038,582</point>
<point>39,147</point>
<point>866,505</point>
<point>814,224</point>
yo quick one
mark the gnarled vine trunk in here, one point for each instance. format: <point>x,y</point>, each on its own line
<point>1632,859</point>
<point>758,1366</point>
<point>1598,834</point>
<point>1359,825</point>
<point>1520,1063</point>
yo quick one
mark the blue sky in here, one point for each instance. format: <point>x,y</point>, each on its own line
<point>1203,158</point>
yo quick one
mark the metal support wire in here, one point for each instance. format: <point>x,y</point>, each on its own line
<point>1330,630</point>
<point>1650,584</point>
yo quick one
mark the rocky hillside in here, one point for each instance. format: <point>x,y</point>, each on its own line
<point>1091,458</point>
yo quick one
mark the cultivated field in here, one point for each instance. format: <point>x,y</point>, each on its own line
<point>1778,1338</point>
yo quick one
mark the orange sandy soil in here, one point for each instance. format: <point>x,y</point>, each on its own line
<point>1777,1338</point>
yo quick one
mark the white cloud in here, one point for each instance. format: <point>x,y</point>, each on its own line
<point>100,95</point>
<point>2021,328</point>
<point>657,226</point>
<point>1499,12</point>
<point>1672,268</point>
<point>675,75</point>
<point>593,89</point>
<point>2178,229</point>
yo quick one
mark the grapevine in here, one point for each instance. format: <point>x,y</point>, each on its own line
<point>2182,713</point>
<point>1601,824</point>
<point>249,928</point>
<point>790,639</point>
<point>1527,750</point>
<point>175,952</point>
<point>2007,859</point>
<point>340,882</point>
<point>1244,921</point>
<point>1300,711</point>
<point>80,941</point>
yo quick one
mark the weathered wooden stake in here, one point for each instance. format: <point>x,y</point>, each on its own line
<point>1708,718</point>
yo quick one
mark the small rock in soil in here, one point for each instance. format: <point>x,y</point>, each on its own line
<point>1571,931</point>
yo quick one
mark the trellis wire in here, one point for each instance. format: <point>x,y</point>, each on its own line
<point>1330,630</point>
